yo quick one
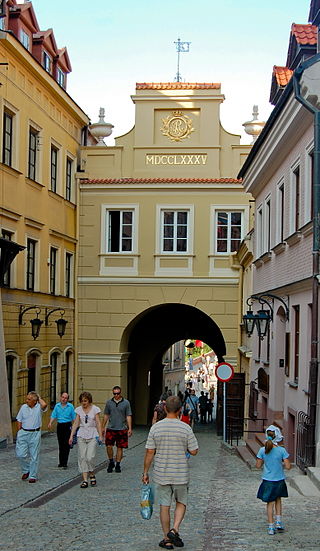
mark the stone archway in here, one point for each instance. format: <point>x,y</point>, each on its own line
<point>147,338</point>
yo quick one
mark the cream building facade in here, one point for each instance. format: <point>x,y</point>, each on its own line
<point>162,214</point>
<point>40,129</point>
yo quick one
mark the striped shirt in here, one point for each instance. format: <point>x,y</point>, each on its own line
<point>171,438</point>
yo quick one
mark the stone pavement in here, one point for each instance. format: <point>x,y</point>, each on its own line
<point>223,511</point>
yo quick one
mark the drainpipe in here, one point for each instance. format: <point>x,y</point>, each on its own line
<point>313,366</point>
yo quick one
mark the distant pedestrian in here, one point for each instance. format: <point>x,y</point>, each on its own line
<point>168,443</point>
<point>203,407</point>
<point>64,413</point>
<point>159,411</point>
<point>273,486</point>
<point>89,434</point>
<point>117,425</point>
<point>209,410</point>
<point>29,420</point>
<point>193,402</point>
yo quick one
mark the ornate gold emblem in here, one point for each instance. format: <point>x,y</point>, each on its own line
<point>177,126</point>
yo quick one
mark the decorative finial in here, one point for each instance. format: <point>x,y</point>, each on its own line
<point>101,129</point>
<point>254,127</point>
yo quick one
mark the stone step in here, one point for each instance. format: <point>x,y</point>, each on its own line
<point>247,457</point>
<point>314,475</point>
<point>253,446</point>
<point>303,485</point>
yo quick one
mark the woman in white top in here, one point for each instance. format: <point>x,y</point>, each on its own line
<point>89,433</point>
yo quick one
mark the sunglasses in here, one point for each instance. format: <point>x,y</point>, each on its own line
<point>116,394</point>
<point>86,418</point>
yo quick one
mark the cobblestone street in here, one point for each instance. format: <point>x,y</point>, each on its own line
<point>223,511</point>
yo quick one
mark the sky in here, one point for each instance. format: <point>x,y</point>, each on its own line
<point>113,45</point>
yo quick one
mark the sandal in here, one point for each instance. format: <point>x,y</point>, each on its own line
<point>93,481</point>
<point>175,538</point>
<point>84,484</point>
<point>166,544</point>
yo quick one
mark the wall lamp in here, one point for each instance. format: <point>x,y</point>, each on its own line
<point>61,322</point>
<point>35,323</point>
<point>261,320</point>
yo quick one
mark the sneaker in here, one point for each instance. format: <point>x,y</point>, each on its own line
<point>110,467</point>
<point>117,468</point>
<point>279,526</point>
<point>271,531</point>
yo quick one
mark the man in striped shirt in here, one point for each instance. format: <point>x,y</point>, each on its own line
<point>169,443</point>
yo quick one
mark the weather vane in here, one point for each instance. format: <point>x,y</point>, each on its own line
<point>180,47</point>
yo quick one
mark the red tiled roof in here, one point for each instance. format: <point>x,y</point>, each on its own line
<point>161,181</point>
<point>282,75</point>
<point>305,34</point>
<point>177,85</point>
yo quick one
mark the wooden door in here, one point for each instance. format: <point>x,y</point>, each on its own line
<point>235,389</point>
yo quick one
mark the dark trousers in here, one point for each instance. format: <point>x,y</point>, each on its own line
<point>63,434</point>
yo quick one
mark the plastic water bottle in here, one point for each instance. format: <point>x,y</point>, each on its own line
<point>99,442</point>
<point>187,455</point>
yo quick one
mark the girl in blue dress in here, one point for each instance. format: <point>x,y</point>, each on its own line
<point>274,459</point>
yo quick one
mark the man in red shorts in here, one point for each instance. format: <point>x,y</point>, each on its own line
<point>118,422</point>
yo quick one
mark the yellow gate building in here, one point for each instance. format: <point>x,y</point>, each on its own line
<point>161,216</point>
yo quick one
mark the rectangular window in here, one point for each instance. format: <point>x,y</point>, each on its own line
<point>53,270</point>
<point>229,231</point>
<point>7,138</point>
<point>287,355</point>
<point>268,224</point>
<point>61,78</point>
<point>281,213</point>
<point>54,168</point>
<point>68,275</point>
<point>53,378</point>
<point>69,179</point>
<point>174,227</point>
<point>47,62</point>
<point>25,40</point>
<point>33,150</point>
<point>296,192</point>
<point>120,231</point>
<point>311,168</point>
<point>7,276</point>
<point>31,264</point>
<point>296,310</point>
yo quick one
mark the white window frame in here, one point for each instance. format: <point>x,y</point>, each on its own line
<point>14,113</point>
<point>38,130</point>
<point>71,275</point>
<point>37,262</point>
<point>175,210</point>
<point>71,158</point>
<point>25,39</point>
<point>267,225</point>
<point>292,220</point>
<point>230,209</point>
<point>61,78</point>
<point>308,183</point>
<point>280,209</point>
<point>106,209</point>
<point>57,270</point>
<point>259,231</point>
<point>47,62</point>
<point>57,147</point>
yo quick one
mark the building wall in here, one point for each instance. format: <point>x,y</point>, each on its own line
<point>29,209</point>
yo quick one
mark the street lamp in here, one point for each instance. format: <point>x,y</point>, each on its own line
<point>261,320</point>
<point>61,322</point>
<point>306,83</point>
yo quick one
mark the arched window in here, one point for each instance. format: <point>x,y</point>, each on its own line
<point>32,365</point>
<point>53,377</point>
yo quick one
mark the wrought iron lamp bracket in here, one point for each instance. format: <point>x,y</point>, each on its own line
<point>23,310</point>
<point>49,312</point>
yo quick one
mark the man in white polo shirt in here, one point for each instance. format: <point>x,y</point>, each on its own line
<point>169,443</point>
<point>29,420</point>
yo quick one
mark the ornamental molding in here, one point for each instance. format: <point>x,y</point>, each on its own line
<point>177,127</point>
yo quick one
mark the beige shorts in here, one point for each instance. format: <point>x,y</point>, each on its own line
<point>165,493</point>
